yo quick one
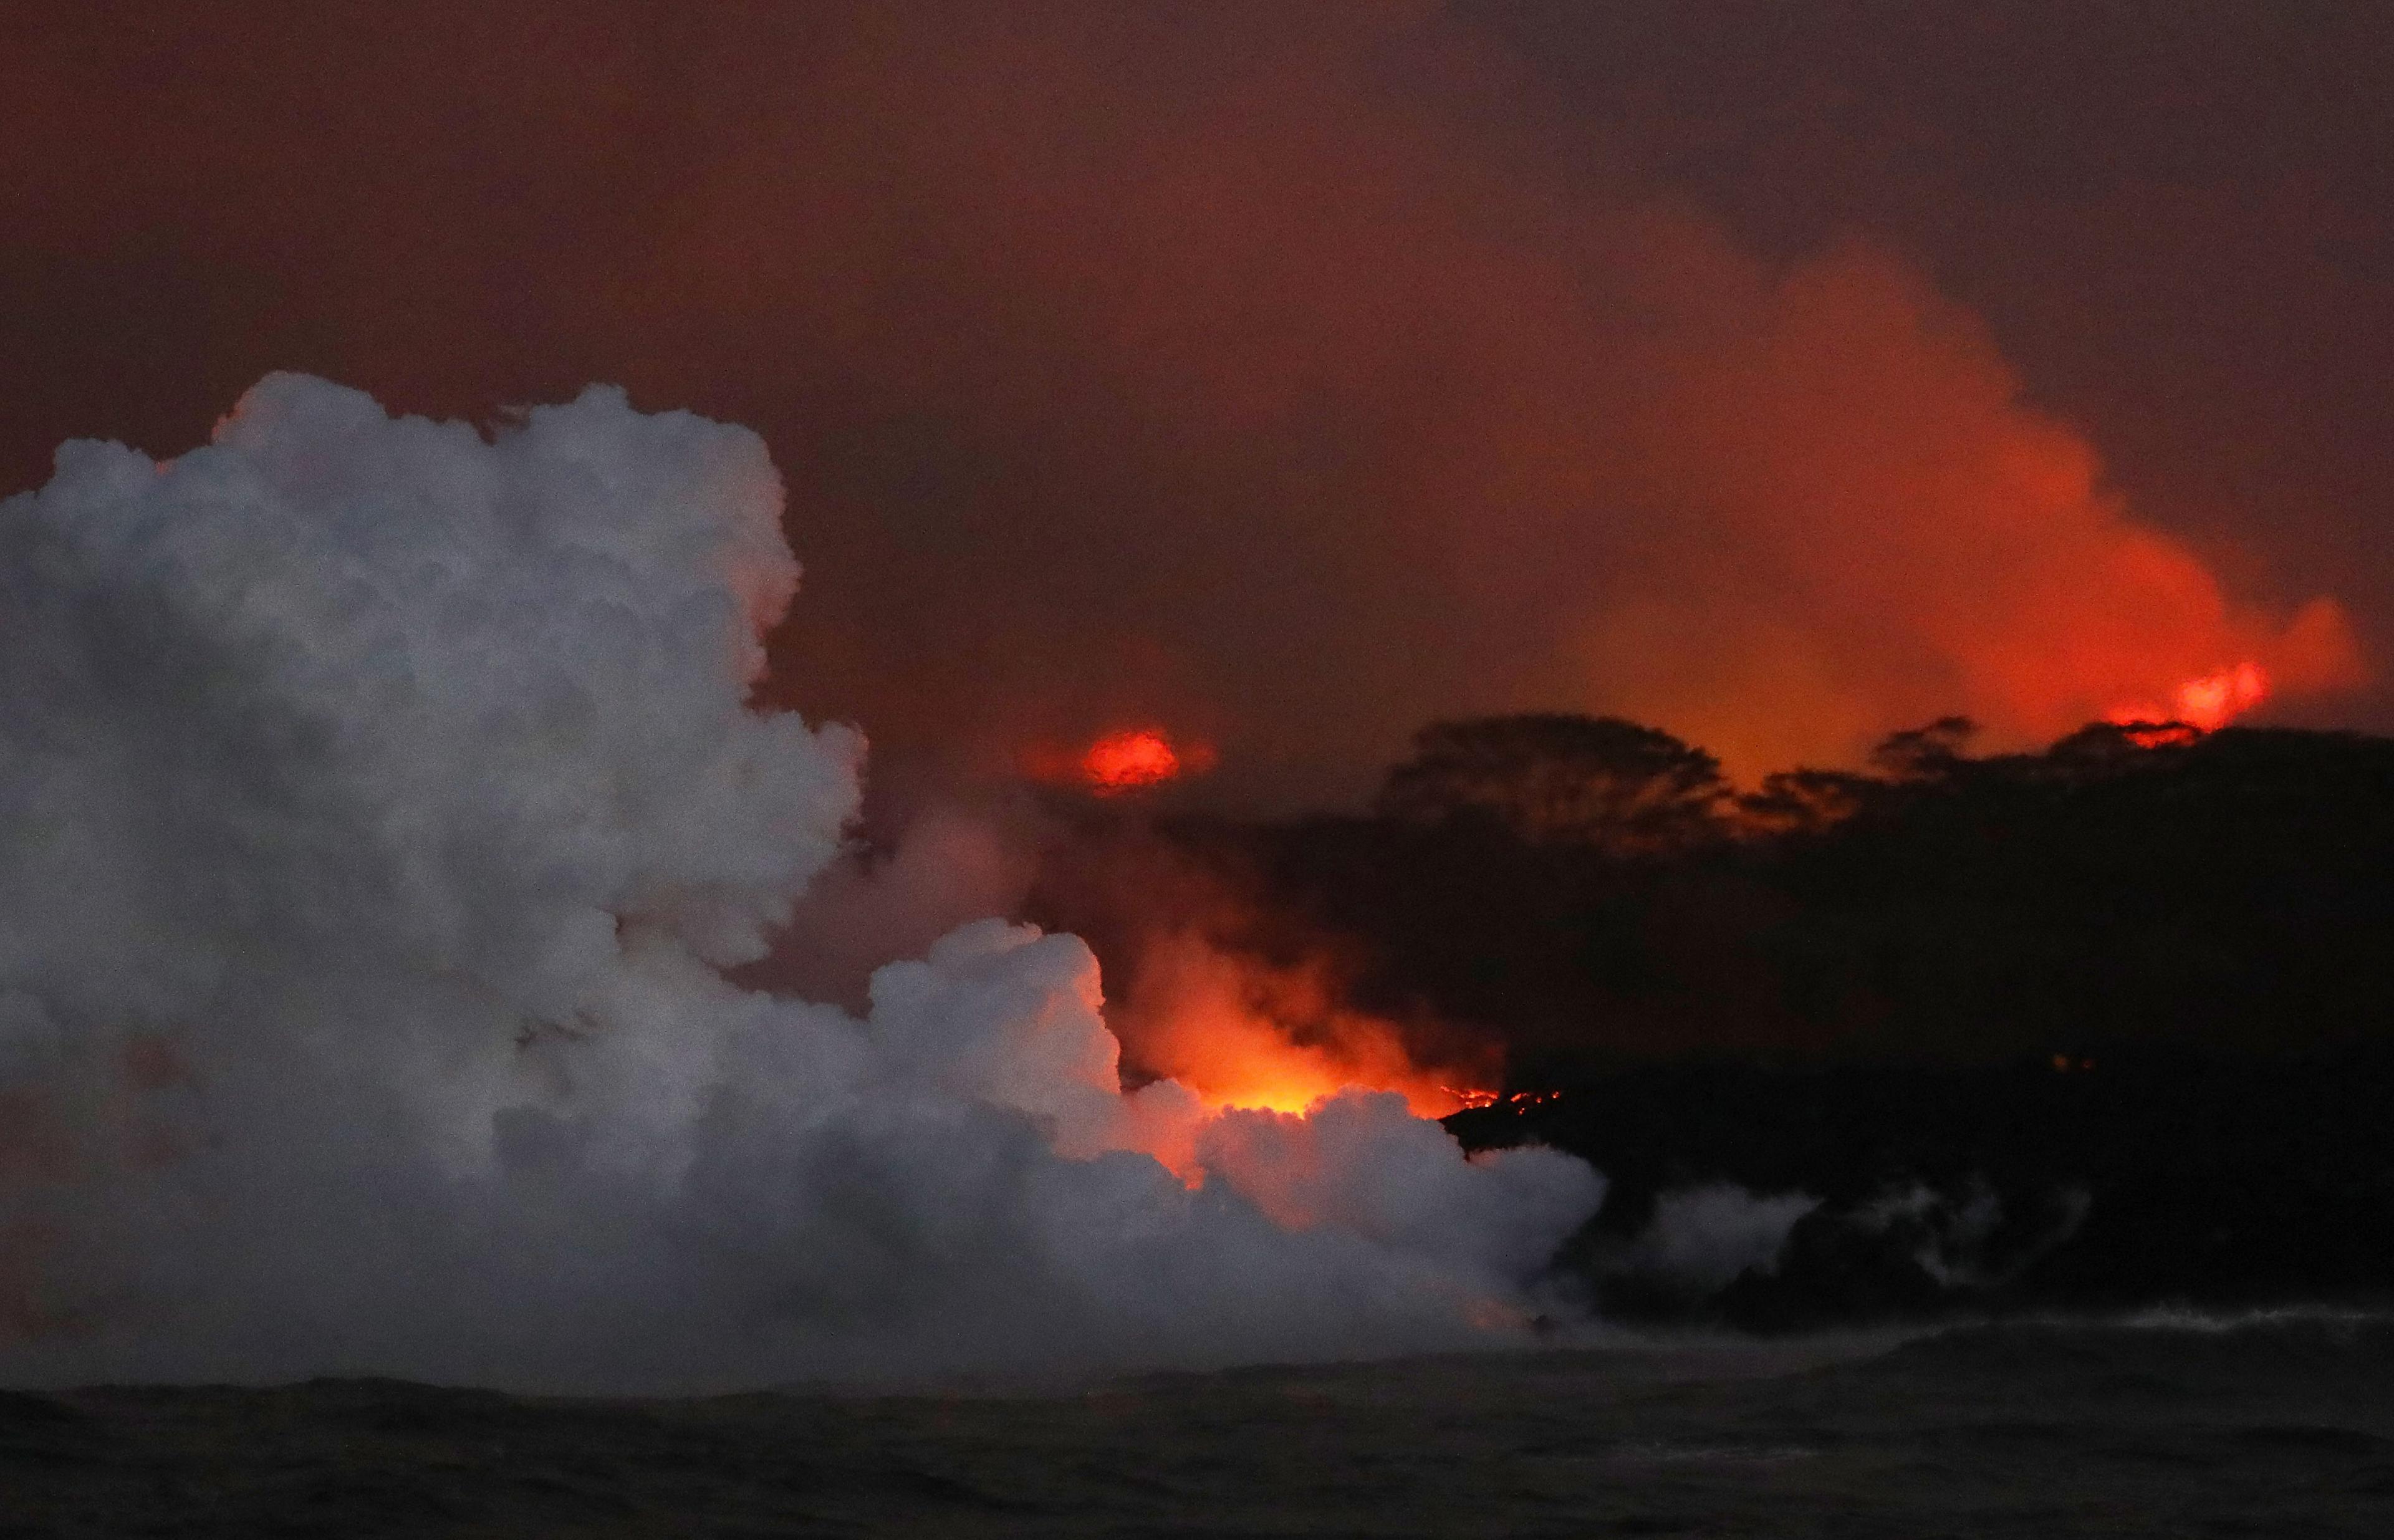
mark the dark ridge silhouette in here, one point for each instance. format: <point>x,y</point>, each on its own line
<point>1598,782</point>
<point>2215,1182</point>
<point>2101,1025</point>
<point>2221,891</point>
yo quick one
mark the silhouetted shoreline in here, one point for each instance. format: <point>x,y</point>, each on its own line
<point>2102,1026</point>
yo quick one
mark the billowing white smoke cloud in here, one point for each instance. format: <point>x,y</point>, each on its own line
<point>1703,1237</point>
<point>378,806</point>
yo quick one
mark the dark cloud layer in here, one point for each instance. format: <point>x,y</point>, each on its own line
<point>1784,377</point>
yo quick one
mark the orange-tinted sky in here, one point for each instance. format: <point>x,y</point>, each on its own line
<point>1289,375</point>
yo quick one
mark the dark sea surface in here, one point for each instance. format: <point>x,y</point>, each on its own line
<point>2270,1425</point>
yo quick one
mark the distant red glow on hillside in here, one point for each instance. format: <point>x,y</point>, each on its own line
<point>1127,759</point>
<point>2211,701</point>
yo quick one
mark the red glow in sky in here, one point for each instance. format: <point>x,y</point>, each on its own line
<point>2213,701</point>
<point>1467,408</point>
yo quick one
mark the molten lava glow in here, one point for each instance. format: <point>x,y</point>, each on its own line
<point>2159,734</point>
<point>1243,1034</point>
<point>1127,760</point>
<point>2213,701</point>
<point>1235,1059</point>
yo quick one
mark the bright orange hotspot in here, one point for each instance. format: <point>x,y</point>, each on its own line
<point>1252,1063</point>
<point>1226,1028</point>
<point>2213,701</point>
<point>1125,761</point>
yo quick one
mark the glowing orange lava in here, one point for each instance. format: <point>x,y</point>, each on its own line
<point>2213,701</point>
<point>1250,1062</point>
<point>1240,1033</point>
<point>1129,759</point>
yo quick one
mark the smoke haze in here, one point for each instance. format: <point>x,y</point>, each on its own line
<point>1396,437</point>
<point>1287,377</point>
<point>383,805</point>
<point>431,939</point>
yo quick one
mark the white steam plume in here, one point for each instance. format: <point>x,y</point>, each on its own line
<point>378,806</point>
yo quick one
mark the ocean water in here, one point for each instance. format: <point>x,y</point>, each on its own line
<point>2164,1425</point>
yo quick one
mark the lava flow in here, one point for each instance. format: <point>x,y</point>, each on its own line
<point>1242,1034</point>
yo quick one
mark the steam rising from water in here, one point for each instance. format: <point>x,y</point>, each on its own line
<point>378,806</point>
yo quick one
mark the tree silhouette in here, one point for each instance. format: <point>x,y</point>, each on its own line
<point>1557,779</point>
<point>1925,752</point>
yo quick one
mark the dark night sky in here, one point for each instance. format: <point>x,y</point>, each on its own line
<point>1292,376</point>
